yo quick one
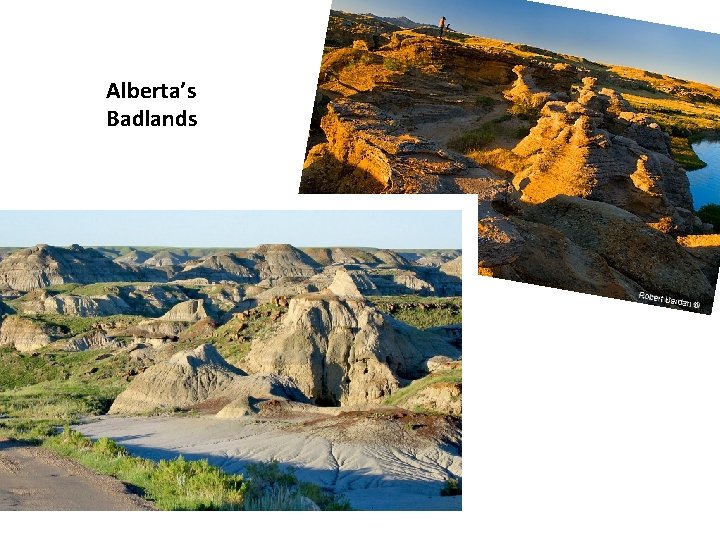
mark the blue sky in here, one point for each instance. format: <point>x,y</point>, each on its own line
<point>381,229</point>
<point>686,54</point>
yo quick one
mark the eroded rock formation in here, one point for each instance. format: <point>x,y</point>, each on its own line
<point>187,379</point>
<point>42,265</point>
<point>599,148</point>
<point>341,350</point>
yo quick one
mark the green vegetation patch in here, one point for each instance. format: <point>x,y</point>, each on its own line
<point>453,376</point>
<point>394,64</point>
<point>710,213</point>
<point>451,487</point>
<point>272,488</point>
<point>44,389</point>
<point>684,154</point>
<point>34,412</point>
<point>177,484</point>
<point>233,339</point>
<point>421,311</point>
<point>475,139</point>
<point>181,484</point>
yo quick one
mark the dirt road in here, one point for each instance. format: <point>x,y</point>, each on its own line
<point>33,478</point>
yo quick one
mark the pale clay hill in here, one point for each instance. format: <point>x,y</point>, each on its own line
<point>158,315</point>
<point>331,347</point>
<point>528,131</point>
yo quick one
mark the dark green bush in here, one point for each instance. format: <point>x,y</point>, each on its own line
<point>451,488</point>
<point>710,213</point>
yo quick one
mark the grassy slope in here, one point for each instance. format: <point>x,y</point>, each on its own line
<point>421,311</point>
<point>403,395</point>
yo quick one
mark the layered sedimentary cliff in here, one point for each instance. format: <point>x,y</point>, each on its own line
<point>341,350</point>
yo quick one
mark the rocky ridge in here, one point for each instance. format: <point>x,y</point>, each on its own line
<point>528,131</point>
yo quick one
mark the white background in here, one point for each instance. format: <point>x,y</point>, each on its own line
<point>584,417</point>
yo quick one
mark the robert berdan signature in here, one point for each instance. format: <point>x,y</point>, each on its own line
<point>670,301</point>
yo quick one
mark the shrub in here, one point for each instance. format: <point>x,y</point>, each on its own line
<point>197,481</point>
<point>173,485</point>
<point>272,488</point>
<point>109,448</point>
<point>710,213</point>
<point>393,64</point>
<point>74,439</point>
<point>484,102</point>
<point>524,111</point>
<point>685,155</point>
<point>472,140</point>
<point>277,498</point>
<point>451,487</point>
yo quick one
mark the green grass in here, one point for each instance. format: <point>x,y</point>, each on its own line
<point>274,488</point>
<point>180,484</point>
<point>177,484</point>
<point>710,213</point>
<point>524,111</point>
<point>34,412</point>
<point>398,398</point>
<point>420,311</point>
<point>233,339</point>
<point>66,324</point>
<point>676,116</point>
<point>475,139</point>
<point>684,154</point>
<point>49,388</point>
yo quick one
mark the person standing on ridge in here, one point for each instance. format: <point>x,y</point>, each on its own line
<point>441,24</point>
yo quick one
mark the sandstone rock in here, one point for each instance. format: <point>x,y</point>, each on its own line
<point>80,306</point>
<point>282,287</point>
<point>43,265</point>
<point>187,379</point>
<point>166,258</point>
<point>598,148</point>
<point>119,299</point>
<point>277,261</point>
<point>649,258</point>
<point>87,342</point>
<point>133,258</point>
<point>201,329</point>
<point>453,267</point>
<point>436,259</point>
<point>706,248</point>
<point>342,350</point>
<point>27,335</point>
<point>571,266</point>
<point>402,282</point>
<point>441,363</point>
<point>368,152</point>
<point>214,268</point>
<point>443,397</point>
<point>156,329</point>
<point>524,91</point>
<point>189,311</point>
<point>246,394</point>
<point>343,285</point>
<point>391,258</point>
<point>352,256</point>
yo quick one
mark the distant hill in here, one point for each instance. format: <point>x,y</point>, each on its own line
<point>402,22</point>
